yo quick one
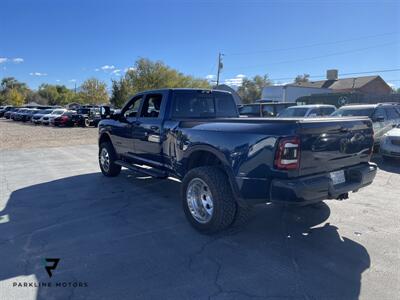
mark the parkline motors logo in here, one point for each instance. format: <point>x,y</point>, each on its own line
<point>50,265</point>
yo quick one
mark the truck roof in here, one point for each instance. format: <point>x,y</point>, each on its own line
<point>187,89</point>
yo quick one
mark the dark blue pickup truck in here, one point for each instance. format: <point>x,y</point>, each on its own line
<point>228,164</point>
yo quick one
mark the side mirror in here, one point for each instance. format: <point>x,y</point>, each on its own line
<point>105,112</point>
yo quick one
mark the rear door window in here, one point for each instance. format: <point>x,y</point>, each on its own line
<point>200,104</point>
<point>151,106</point>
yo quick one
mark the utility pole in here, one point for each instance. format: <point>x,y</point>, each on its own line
<point>220,66</point>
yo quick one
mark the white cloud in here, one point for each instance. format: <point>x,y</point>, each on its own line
<point>97,69</point>
<point>210,77</point>
<point>236,81</point>
<point>57,80</point>
<point>116,71</point>
<point>37,74</point>
<point>129,69</point>
<point>392,85</point>
<point>72,80</point>
<point>18,60</point>
<point>107,67</point>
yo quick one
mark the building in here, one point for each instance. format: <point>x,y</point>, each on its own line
<point>367,85</point>
<point>340,91</point>
<point>290,92</point>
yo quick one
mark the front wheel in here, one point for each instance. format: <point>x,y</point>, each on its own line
<point>207,199</point>
<point>107,158</point>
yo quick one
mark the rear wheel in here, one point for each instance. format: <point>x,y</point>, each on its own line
<point>207,199</point>
<point>87,123</point>
<point>107,158</point>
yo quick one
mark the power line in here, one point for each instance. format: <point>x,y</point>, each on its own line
<point>343,74</point>
<point>312,45</point>
<point>320,56</point>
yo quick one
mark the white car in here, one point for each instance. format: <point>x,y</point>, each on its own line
<point>390,143</point>
<point>46,119</point>
<point>307,111</point>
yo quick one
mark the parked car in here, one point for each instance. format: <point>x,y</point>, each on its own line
<point>68,118</point>
<point>36,118</point>
<point>384,116</point>
<point>390,143</point>
<point>88,116</point>
<point>4,109</point>
<point>228,164</point>
<point>18,115</point>
<point>8,113</point>
<point>27,115</point>
<point>307,111</point>
<point>261,109</point>
<point>46,119</point>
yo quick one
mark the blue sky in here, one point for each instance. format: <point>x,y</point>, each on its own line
<point>66,41</point>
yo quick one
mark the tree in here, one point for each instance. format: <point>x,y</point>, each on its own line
<point>56,94</point>
<point>146,75</point>
<point>251,89</point>
<point>11,85</point>
<point>14,97</point>
<point>302,78</point>
<point>93,91</point>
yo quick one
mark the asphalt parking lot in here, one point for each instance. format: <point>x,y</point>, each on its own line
<point>127,238</point>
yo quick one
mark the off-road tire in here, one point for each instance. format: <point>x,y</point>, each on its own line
<point>113,169</point>
<point>224,204</point>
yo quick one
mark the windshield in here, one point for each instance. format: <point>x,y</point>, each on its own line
<point>201,104</point>
<point>356,112</point>
<point>293,112</point>
<point>83,111</point>
<point>57,112</point>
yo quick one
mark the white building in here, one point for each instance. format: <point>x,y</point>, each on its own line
<point>290,92</point>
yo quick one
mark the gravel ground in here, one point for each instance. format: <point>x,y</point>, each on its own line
<point>18,135</point>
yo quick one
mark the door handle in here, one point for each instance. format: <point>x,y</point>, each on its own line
<point>154,127</point>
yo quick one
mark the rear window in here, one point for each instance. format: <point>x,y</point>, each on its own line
<point>356,112</point>
<point>294,112</point>
<point>200,104</point>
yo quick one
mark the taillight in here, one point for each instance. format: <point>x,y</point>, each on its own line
<point>64,118</point>
<point>287,156</point>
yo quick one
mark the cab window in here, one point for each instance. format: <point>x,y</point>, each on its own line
<point>133,108</point>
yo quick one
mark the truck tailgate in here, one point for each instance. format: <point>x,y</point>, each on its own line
<point>333,143</point>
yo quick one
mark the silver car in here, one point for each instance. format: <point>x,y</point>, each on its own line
<point>47,119</point>
<point>307,111</point>
<point>384,116</point>
<point>390,143</point>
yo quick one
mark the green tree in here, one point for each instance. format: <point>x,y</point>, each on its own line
<point>302,78</point>
<point>56,94</point>
<point>14,97</point>
<point>93,91</point>
<point>9,84</point>
<point>251,89</point>
<point>147,75</point>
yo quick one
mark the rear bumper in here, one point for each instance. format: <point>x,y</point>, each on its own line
<point>319,187</point>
